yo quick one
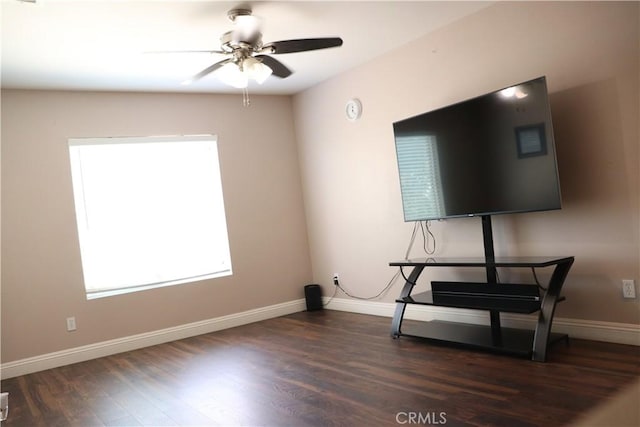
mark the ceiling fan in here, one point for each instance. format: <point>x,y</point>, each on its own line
<point>248,57</point>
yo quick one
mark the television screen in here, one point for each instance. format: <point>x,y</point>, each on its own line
<point>493,154</point>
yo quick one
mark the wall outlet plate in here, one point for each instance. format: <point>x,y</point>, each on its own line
<point>71,324</point>
<point>4,406</point>
<point>628,288</point>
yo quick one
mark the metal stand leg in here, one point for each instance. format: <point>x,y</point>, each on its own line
<point>547,309</point>
<point>496,329</point>
<point>396,323</point>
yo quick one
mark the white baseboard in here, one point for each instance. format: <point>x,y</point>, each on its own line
<point>620,333</point>
<point>592,330</point>
<point>133,342</point>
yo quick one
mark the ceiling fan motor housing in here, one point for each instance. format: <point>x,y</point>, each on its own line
<point>233,40</point>
<point>234,13</point>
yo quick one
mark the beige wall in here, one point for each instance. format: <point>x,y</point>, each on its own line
<point>41,270</point>
<point>589,53</point>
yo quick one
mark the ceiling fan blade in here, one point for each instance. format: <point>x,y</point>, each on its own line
<point>302,45</point>
<point>278,68</point>
<point>207,70</point>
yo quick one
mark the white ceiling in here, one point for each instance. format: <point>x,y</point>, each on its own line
<point>101,45</point>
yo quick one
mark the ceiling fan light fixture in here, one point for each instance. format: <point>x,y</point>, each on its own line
<point>256,70</point>
<point>231,75</point>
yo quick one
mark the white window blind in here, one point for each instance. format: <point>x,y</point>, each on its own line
<point>150,212</point>
<point>419,177</point>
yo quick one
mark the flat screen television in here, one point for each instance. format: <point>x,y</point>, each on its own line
<point>493,154</point>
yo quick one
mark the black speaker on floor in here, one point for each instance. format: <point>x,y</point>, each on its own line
<point>313,295</point>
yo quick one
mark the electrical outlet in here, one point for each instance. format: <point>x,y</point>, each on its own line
<point>628,288</point>
<point>71,324</point>
<point>335,279</point>
<point>4,406</point>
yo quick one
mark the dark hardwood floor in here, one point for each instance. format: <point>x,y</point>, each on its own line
<point>318,369</point>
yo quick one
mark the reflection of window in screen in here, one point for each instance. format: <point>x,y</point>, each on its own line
<point>419,177</point>
<point>531,140</point>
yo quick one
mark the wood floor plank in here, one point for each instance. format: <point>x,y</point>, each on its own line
<point>321,368</point>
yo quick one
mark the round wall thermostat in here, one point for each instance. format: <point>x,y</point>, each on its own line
<point>353,109</point>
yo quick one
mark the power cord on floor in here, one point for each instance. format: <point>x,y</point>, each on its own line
<point>383,292</point>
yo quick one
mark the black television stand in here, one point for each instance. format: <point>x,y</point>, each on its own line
<point>491,296</point>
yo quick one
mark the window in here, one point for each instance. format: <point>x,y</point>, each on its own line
<point>149,211</point>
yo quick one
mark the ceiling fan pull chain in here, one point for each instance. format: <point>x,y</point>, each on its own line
<point>245,97</point>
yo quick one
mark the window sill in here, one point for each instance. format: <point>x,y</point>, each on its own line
<point>122,291</point>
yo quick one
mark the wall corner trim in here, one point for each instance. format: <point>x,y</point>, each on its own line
<point>133,342</point>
